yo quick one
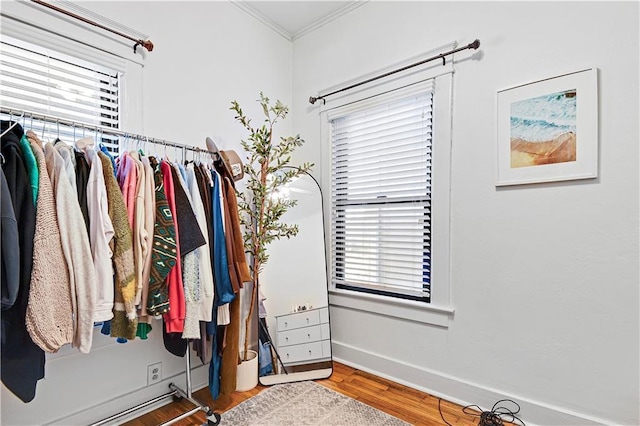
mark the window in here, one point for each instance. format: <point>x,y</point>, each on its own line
<point>42,81</point>
<point>381,198</point>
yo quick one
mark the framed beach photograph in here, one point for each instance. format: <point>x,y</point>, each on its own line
<point>548,130</point>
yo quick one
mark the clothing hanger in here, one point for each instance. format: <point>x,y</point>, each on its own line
<point>11,126</point>
<point>57,139</point>
<point>165,151</point>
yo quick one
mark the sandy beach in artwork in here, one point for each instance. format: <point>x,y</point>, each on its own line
<point>561,149</point>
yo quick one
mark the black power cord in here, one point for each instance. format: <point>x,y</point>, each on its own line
<point>496,417</point>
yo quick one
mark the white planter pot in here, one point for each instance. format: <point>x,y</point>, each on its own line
<point>247,376</point>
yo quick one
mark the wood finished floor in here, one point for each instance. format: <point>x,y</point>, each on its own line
<point>408,404</point>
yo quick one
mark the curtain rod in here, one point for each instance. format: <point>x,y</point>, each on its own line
<point>17,114</point>
<point>473,45</point>
<point>147,44</point>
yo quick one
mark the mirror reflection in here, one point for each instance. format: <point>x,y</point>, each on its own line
<point>294,334</point>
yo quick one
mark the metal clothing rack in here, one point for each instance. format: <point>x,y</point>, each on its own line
<point>176,393</point>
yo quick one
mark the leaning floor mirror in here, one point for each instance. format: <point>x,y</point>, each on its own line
<point>294,335</point>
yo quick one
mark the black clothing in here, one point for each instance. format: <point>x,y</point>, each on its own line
<point>82,178</point>
<point>189,231</point>
<point>22,361</point>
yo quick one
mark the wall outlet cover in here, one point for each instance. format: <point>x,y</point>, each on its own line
<point>154,373</point>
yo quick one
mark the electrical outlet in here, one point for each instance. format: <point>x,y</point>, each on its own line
<point>154,373</point>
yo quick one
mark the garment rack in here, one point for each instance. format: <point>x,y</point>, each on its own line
<point>176,393</point>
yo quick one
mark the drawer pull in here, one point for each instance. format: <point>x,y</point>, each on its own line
<point>286,324</point>
<point>309,351</point>
<point>309,335</point>
<point>286,338</point>
<point>307,319</point>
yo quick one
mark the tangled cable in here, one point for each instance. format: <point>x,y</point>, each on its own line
<point>496,417</point>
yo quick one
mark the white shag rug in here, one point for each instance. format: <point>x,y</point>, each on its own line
<point>305,403</point>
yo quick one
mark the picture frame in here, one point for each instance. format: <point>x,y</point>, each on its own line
<point>547,130</point>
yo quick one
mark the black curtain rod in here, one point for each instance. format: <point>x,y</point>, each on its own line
<point>147,44</point>
<point>473,45</point>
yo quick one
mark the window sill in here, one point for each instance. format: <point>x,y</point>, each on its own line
<point>396,308</point>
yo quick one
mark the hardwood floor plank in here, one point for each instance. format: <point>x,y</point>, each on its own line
<point>410,405</point>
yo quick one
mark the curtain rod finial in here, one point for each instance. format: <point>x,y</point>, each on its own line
<point>475,44</point>
<point>313,100</point>
<point>147,44</point>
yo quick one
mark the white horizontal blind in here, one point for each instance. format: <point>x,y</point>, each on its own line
<point>381,198</point>
<point>35,80</point>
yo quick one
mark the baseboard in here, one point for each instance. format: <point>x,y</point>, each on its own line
<point>89,415</point>
<point>454,389</point>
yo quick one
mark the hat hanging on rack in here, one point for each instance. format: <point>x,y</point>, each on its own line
<point>230,159</point>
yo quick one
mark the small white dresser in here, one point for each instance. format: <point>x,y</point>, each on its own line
<point>303,337</point>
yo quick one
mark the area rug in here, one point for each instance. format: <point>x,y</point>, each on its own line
<point>305,403</point>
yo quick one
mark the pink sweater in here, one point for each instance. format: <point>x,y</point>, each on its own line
<point>174,319</point>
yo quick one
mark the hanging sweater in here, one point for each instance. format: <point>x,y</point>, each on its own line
<point>174,318</point>
<point>49,311</point>
<point>164,252</point>
<point>67,154</point>
<point>147,234</point>
<point>32,166</point>
<point>206,294</point>
<point>124,323</point>
<point>100,232</point>
<point>137,226</point>
<point>190,270</point>
<point>76,249</point>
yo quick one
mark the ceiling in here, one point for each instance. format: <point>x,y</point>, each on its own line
<point>292,19</point>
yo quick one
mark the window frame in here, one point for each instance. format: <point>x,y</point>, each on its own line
<point>369,204</point>
<point>40,57</point>
<point>27,23</point>
<point>439,310</point>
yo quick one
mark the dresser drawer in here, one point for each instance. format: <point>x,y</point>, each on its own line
<point>302,353</point>
<point>298,320</point>
<point>300,335</point>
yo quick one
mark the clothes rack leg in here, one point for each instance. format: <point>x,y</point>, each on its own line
<point>177,393</point>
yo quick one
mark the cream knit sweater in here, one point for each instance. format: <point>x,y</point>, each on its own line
<point>49,310</point>
<point>76,249</point>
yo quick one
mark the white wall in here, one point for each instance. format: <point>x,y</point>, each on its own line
<point>544,277</point>
<point>206,55</point>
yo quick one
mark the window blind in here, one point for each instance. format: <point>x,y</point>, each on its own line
<point>38,81</point>
<point>381,198</point>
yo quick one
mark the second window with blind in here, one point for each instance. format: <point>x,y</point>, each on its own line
<point>382,194</point>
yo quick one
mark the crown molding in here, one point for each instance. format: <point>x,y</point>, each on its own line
<point>260,17</point>
<point>243,5</point>
<point>329,18</point>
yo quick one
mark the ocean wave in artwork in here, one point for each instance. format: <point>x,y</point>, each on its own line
<point>543,130</point>
<point>545,117</point>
